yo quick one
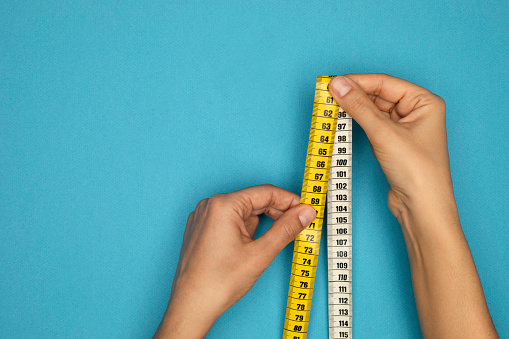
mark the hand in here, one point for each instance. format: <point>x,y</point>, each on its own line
<point>405,125</point>
<point>219,260</point>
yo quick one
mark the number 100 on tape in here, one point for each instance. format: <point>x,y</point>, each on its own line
<point>327,177</point>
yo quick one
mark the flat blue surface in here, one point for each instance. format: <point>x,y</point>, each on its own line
<point>117,117</point>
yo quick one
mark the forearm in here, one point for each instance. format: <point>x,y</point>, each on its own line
<point>448,293</point>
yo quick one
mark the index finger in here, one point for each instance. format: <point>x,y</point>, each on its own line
<point>391,93</point>
<point>268,199</point>
<point>385,86</point>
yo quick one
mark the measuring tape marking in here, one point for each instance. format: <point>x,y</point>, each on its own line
<point>323,138</point>
<point>339,232</point>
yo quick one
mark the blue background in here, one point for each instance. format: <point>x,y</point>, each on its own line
<point>116,118</point>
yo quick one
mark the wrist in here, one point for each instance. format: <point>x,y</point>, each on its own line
<point>426,207</point>
<point>429,220</point>
<point>185,318</point>
<point>428,193</point>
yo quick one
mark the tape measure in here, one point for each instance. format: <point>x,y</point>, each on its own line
<point>327,177</point>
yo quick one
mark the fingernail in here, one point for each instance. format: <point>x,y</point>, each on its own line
<point>307,215</point>
<point>339,86</point>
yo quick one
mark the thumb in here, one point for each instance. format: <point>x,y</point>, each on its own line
<point>357,104</point>
<point>285,229</point>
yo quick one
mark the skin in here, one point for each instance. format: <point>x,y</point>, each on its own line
<point>405,125</point>
<point>219,260</point>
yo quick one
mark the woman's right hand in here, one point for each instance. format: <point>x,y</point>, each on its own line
<point>405,125</point>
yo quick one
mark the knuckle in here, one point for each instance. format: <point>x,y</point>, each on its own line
<point>440,102</point>
<point>216,201</point>
<point>201,205</point>
<point>431,98</point>
<point>433,101</point>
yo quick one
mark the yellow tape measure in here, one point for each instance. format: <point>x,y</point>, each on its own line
<point>329,141</point>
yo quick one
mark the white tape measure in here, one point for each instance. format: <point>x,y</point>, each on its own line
<point>339,231</point>
<point>328,172</point>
